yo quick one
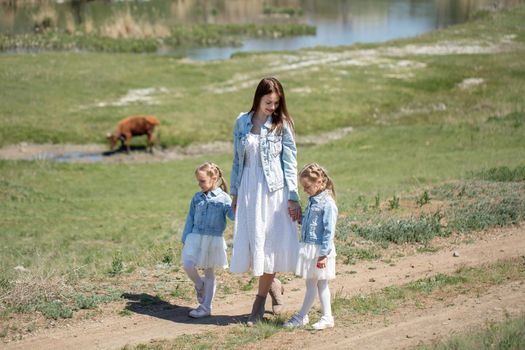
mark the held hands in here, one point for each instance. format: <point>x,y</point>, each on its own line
<point>321,262</point>
<point>294,210</point>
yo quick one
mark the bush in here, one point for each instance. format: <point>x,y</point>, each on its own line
<point>488,213</point>
<point>30,289</point>
<point>514,119</point>
<point>91,301</point>
<point>55,310</point>
<point>353,254</point>
<point>501,174</point>
<point>117,265</point>
<point>415,229</point>
<point>423,199</point>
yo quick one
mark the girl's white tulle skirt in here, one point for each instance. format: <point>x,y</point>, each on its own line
<point>307,263</point>
<point>205,251</point>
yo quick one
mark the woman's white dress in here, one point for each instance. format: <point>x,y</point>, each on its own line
<point>265,237</point>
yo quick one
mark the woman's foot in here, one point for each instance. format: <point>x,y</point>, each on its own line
<point>324,322</point>
<point>296,321</point>
<point>276,293</point>
<point>199,312</point>
<point>257,311</point>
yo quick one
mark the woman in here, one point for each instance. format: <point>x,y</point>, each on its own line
<point>264,190</point>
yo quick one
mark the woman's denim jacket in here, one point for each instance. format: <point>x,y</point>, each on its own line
<point>278,155</point>
<point>319,219</point>
<point>207,215</point>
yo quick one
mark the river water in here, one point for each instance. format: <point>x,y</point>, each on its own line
<point>338,22</point>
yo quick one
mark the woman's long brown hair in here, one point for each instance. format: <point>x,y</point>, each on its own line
<point>280,115</point>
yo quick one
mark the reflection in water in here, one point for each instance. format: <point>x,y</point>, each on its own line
<point>338,22</point>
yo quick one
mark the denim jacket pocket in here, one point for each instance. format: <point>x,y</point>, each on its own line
<point>214,211</point>
<point>200,208</point>
<point>275,144</point>
<point>200,213</point>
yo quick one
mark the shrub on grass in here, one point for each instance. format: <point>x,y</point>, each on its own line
<point>502,174</point>
<point>55,309</point>
<point>487,213</point>
<point>414,229</point>
<point>353,254</point>
<point>4,284</point>
<point>168,257</point>
<point>479,205</point>
<point>423,199</point>
<point>30,289</point>
<point>117,265</point>
<point>394,202</point>
<point>91,301</point>
<point>515,119</point>
<point>427,285</point>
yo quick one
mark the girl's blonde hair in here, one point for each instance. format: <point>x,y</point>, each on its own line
<point>213,170</point>
<point>314,172</point>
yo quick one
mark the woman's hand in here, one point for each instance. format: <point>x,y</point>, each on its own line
<point>294,210</point>
<point>321,262</point>
<point>234,204</point>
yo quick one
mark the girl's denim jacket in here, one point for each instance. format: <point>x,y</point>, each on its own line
<point>207,215</point>
<point>319,219</point>
<point>278,155</point>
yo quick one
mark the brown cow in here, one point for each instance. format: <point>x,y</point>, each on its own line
<point>134,126</point>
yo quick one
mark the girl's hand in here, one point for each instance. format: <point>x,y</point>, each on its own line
<point>234,204</point>
<point>294,210</point>
<point>321,262</point>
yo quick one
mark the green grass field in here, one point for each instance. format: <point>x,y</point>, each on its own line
<point>415,128</point>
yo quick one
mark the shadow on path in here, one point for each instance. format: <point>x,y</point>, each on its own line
<point>153,306</point>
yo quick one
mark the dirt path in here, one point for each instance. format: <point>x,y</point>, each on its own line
<point>97,153</point>
<point>409,328</point>
<point>171,321</point>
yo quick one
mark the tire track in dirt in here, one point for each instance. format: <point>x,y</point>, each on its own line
<point>117,331</point>
<point>440,322</point>
<point>407,328</point>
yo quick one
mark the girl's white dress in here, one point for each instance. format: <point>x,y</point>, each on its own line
<point>205,251</point>
<point>265,237</point>
<point>307,262</point>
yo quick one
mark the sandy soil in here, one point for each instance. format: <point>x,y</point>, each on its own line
<point>405,327</point>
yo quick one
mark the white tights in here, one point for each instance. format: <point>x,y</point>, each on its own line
<point>208,282</point>
<point>312,286</point>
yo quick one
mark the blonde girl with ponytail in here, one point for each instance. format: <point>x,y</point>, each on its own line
<point>203,236</point>
<point>316,262</point>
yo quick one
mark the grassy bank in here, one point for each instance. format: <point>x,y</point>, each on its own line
<point>57,97</point>
<point>419,122</point>
<point>198,35</point>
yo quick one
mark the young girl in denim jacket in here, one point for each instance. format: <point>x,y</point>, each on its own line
<point>204,245</point>
<point>316,262</point>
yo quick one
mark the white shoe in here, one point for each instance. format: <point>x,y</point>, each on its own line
<point>200,293</point>
<point>296,321</point>
<point>199,312</point>
<point>324,322</point>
